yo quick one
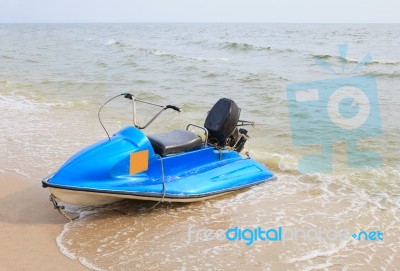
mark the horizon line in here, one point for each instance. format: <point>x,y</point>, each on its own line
<point>199,22</point>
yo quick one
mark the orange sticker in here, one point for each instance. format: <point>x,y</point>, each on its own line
<point>139,162</point>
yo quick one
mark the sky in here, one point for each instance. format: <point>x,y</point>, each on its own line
<point>258,11</point>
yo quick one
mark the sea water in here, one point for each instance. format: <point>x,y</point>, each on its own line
<point>54,78</point>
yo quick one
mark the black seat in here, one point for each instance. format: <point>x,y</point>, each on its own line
<point>175,141</point>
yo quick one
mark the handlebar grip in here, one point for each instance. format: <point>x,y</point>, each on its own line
<point>127,95</point>
<point>173,107</point>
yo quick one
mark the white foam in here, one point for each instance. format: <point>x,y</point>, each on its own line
<point>318,266</point>
<point>110,42</point>
<point>89,265</point>
<point>161,53</point>
<point>60,239</point>
<point>312,255</point>
<point>319,253</point>
<point>18,172</point>
<point>199,58</point>
<point>18,103</point>
<point>287,163</point>
<point>158,52</point>
<point>63,249</point>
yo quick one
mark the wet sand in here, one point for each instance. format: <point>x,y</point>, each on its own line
<point>28,227</point>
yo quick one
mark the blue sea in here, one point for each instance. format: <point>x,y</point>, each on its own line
<point>54,78</point>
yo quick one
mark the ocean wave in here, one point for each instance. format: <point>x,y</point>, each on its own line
<point>23,104</point>
<point>192,68</point>
<point>157,52</point>
<point>32,61</point>
<point>16,85</point>
<point>323,56</point>
<point>251,79</point>
<point>354,61</point>
<point>59,242</point>
<point>19,103</point>
<point>211,75</point>
<point>323,253</point>
<point>261,77</point>
<point>88,264</point>
<point>205,59</point>
<point>173,56</point>
<point>100,63</point>
<point>337,58</point>
<point>130,62</point>
<point>385,62</point>
<point>118,43</point>
<point>246,47</point>
<point>283,163</point>
<point>60,239</point>
<point>243,46</point>
<point>7,57</point>
<point>392,75</point>
<point>162,53</point>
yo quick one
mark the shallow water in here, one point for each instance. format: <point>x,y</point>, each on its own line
<point>55,77</point>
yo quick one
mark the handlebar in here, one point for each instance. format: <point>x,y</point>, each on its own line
<point>131,97</point>
<point>163,107</point>
<point>173,107</point>
<point>134,100</point>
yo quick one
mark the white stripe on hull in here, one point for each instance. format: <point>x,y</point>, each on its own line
<point>92,198</point>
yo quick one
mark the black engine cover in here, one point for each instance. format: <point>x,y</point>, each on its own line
<point>222,120</point>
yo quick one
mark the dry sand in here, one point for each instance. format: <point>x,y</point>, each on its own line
<point>28,227</point>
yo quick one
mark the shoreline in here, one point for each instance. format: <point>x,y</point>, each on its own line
<point>29,227</point>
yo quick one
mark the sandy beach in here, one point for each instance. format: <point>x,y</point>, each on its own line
<point>29,227</point>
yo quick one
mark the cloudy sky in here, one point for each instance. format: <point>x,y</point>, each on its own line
<point>302,11</point>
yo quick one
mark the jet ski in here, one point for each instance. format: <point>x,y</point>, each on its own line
<point>174,166</point>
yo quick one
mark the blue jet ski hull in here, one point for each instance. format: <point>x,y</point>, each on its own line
<point>127,167</point>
